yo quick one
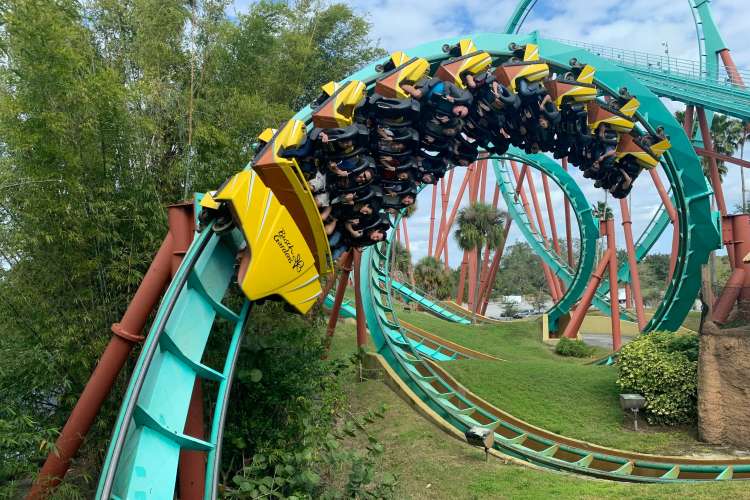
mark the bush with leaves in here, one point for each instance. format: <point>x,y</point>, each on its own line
<point>288,429</point>
<point>313,464</point>
<point>663,368</point>
<point>573,348</point>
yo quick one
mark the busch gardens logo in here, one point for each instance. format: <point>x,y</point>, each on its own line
<point>286,246</point>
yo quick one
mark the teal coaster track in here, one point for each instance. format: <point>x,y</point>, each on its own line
<point>142,459</point>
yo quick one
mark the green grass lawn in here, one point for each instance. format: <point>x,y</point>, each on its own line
<point>429,464</point>
<point>562,395</point>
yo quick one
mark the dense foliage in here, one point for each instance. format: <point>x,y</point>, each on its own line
<point>289,432</point>
<point>663,368</point>
<point>573,348</point>
<point>432,277</point>
<point>110,110</point>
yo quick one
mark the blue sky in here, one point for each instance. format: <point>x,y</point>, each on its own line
<point>640,25</point>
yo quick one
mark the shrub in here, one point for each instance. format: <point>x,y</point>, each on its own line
<point>573,348</point>
<point>663,368</point>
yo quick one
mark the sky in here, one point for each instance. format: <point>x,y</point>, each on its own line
<point>641,25</point>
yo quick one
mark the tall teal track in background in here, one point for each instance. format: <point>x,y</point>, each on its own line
<point>413,295</point>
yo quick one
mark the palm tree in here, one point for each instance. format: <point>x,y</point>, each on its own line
<point>743,204</point>
<point>400,261</point>
<point>602,211</point>
<point>431,276</point>
<point>727,135</point>
<point>479,225</point>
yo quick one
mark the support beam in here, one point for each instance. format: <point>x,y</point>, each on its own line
<point>191,479</point>
<point>734,76</point>
<point>473,264</point>
<point>494,268</point>
<point>551,214</point>
<point>722,157</point>
<point>361,324</point>
<point>485,268</point>
<point>540,222</point>
<point>346,268</point>
<point>635,280</point>
<point>614,289</point>
<point>443,237</point>
<point>713,165</point>
<point>568,226</point>
<point>406,234</point>
<point>445,192</point>
<point>715,179</point>
<point>432,218</point>
<point>462,280</point>
<point>520,191</point>
<point>579,313</point>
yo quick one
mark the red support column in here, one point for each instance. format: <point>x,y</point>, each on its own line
<point>346,269</point>
<point>486,260</point>
<point>628,297</point>
<point>443,237</point>
<point>361,324</point>
<point>579,313</point>
<point>551,214</point>
<point>715,178</point>
<point>191,478</point>
<point>525,202</point>
<point>483,189</point>
<point>446,193</point>
<point>568,226</point>
<point>432,219</point>
<point>688,122</point>
<point>734,75</point>
<point>472,269</point>
<point>635,280</point>
<point>614,289</point>
<point>672,213</point>
<point>462,280</point>
<point>540,222</point>
<point>485,295</point>
<point>406,235</point>
<point>741,231</point>
<point>472,272</point>
<point>729,296</point>
<point>126,333</point>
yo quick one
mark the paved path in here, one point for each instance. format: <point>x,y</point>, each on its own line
<point>602,340</point>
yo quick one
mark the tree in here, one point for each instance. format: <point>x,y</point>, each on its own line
<point>431,276</point>
<point>602,211</point>
<point>508,306</point>
<point>537,300</point>
<point>110,110</point>
<point>400,261</point>
<point>519,272</point>
<point>727,135</point>
<point>479,225</point>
